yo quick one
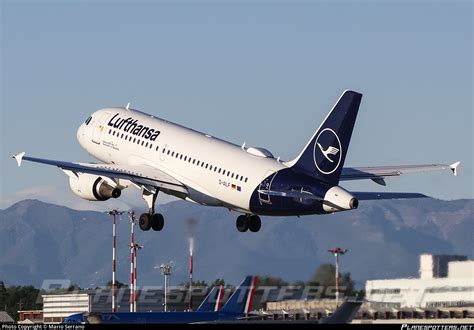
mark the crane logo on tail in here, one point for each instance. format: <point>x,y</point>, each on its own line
<point>330,150</point>
<point>327,151</point>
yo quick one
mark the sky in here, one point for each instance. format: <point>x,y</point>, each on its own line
<point>261,72</point>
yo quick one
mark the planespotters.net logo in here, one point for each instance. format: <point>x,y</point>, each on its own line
<point>437,327</point>
<point>327,151</point>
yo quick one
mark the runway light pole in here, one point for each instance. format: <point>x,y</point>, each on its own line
<point>131,215</point>
<point>166,272</point>
<point>136,247</point>
<point>336,252</point>
<point>114,214</point>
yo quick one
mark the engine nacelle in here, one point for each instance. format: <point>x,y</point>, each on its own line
<point>93,187</point>
<point>339,199</point>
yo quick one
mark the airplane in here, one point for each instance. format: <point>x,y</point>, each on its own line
<point>344,314</point>
<point>213,301</point>
<point>237,306</point>
<point>139,149</point>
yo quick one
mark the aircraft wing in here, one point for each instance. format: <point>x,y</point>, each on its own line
<point>377,174</point>
<point>142,175</point>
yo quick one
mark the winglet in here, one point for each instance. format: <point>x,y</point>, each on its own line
<point>19,158</point>
<point>454,168</point>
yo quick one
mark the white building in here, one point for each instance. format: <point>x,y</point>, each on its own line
<point>57,307</point>
<point>445,281</point>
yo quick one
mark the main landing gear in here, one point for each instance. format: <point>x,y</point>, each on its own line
<point>151,219</point>
<point>248,222</point>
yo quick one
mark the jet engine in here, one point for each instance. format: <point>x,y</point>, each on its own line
<point>338,199</point>
<point>93,187</point>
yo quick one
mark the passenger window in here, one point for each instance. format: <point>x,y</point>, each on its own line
<point>246,179</point>
<point>219,171</point>
<point>156,148</point>
<point>232,176</point>
<point>168,152</point>
<point>134,140</point>
<point>172,154</point>
<point>121,136</point>
<point>197,163</point>
<point>207,165</point>
<point>143,142</point>
<point>180,157</point>
<point>185,158</point>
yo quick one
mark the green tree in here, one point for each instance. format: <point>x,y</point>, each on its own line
<point>118,284</point>
<point>15,298</point>
<point>325,275</point>
<point>218,282</point>
<point>196,284</point>
<point>267,280</point>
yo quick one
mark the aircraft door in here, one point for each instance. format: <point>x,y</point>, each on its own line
<point>266,184</point>
<point>99,126</point>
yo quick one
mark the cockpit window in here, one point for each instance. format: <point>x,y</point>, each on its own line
<point>88,120</point>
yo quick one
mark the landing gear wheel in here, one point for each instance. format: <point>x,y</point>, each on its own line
<point>254,223</point>
<point>242,223</point>
<point>157,222</point>
<point>145,221</point>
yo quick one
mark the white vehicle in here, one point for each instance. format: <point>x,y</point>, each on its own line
<point>139,149</point>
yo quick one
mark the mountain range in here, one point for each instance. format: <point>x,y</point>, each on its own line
<point>40,241</point>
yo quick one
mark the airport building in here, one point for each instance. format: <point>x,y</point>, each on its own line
<point>445,282</point>
<point>56,307</point>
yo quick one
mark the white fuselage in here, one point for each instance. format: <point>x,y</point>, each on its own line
<point>227,174</point>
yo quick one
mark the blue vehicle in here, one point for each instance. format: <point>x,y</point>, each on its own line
<point>238,305</point>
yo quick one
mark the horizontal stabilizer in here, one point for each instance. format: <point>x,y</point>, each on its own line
<point>367,196</point>
<point>378,173</point>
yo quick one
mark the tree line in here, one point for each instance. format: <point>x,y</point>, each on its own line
<point>15,298</point>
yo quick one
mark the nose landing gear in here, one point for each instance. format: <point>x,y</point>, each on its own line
<point>248,222</point>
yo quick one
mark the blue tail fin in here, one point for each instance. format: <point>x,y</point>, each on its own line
<point>241,300</point>
<point>324,155</point>
<point>209,302</point>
